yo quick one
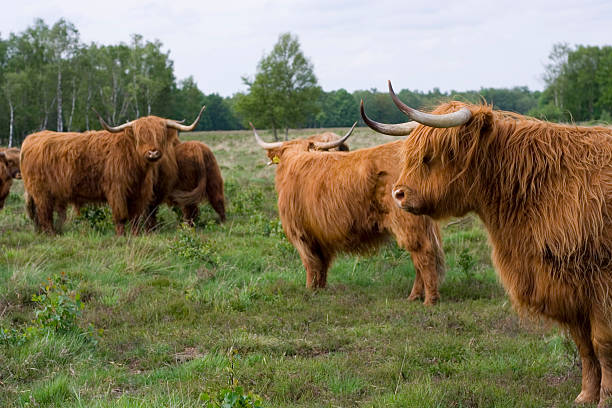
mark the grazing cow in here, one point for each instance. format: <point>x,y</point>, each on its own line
<point>329,137</point>
<point>114,166</point>
<point>200,179</point>
<point>9,169</point>
<point>332,202</point>
<point>544,193</point>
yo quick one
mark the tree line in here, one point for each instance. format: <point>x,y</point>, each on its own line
<point>49,79</point>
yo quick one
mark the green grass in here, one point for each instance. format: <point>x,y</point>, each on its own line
<point>171,305</point>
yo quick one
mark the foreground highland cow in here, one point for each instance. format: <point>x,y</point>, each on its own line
<point>332,202</point>
<point>114,166</point>
<point>9,169</point>
<point>200,179</point>
<point>544,193</point>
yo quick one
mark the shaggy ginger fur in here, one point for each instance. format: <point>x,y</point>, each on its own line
<point>93,167</point>
<point>200,179</point>
<point>9,169</point>
<point>544,193</point>
<point>332,202</point>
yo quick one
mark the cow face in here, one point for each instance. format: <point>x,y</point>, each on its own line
<point>438,156</point>
<point>440,168</point>
<point>152,134</point>
<point>10,158</point>
<point>151,137</point>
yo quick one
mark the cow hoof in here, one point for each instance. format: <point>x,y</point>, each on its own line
<point>586,398</point>
<point>412,298</point>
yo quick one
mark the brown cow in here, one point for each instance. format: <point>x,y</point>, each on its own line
<point>544,193</point>
<point>329,137</point>
<point>114,166</point>
<point>200,179</point>
<point>9,169</point>
<point>340,202</point>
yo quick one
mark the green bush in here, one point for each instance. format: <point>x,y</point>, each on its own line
<point>189,246</point>
<point>59,306</point>
<point>96,217</point>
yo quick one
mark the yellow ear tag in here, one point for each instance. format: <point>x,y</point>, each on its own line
<point>276,160</point>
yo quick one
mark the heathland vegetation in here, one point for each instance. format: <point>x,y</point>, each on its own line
<point>167,319</point>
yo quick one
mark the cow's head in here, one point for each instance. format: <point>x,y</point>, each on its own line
<point>10,158</point>
<point>277,150</point>
<point>437,169</point>
<point>152,134</point>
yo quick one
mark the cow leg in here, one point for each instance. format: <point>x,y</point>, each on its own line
<point>423,256</point>
<point>44,212</point>
<point>602,343</point>
<point>151,217</point>
<point>425,266</point>
<point>218,204</point>
<point>316,263</point>
<point>119,208</point>
<point>591,371</point>
<point>61,217</point>
<point>190,214</point>
<point>418,290</point>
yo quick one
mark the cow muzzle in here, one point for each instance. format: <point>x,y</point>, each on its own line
<point>153,155</point>
<point>407,199</point>
<point>17,175</point>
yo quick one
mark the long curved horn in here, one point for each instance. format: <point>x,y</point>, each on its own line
<point>438,121</point>
<point>109,128</point>
<point>184,128</point>
<point>334,143</point>
<point>400,129</point>
<point>263,144</point>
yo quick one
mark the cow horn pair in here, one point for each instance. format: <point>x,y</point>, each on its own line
<point>169,123</point>
<point>402,129</point>
<point>318,145</point>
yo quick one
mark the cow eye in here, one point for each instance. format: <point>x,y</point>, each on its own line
<point>426,159</point>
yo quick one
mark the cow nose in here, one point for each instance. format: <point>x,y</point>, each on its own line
<point>153,155</point>
<point>399,195</point>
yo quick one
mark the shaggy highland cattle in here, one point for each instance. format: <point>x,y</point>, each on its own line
<point>544,193</point>
<point>115,166</point>
<point>329,137</point>
<point>9,169</point>
<point>200,179</point>
<point>332,202</point>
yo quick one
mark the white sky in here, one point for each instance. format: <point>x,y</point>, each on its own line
<point>353,44</point>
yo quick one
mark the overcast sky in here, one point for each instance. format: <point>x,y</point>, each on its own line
<point>353,44</point>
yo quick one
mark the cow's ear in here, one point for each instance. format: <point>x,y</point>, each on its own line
<point>485,122</point>
<point>3,158</point>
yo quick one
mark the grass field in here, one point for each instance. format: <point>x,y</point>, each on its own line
<point>172,316</point>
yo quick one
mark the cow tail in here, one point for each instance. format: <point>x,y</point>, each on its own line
<point>198,194</point>
<point>31,210</point>
<point>435,237</point>
<point>214,185</point>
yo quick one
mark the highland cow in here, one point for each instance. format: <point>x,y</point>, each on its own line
<point>544,194</point>
<point>200,179</point>
<point>115,166</point>
<point>332,202</point>
<point>9,169</point>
